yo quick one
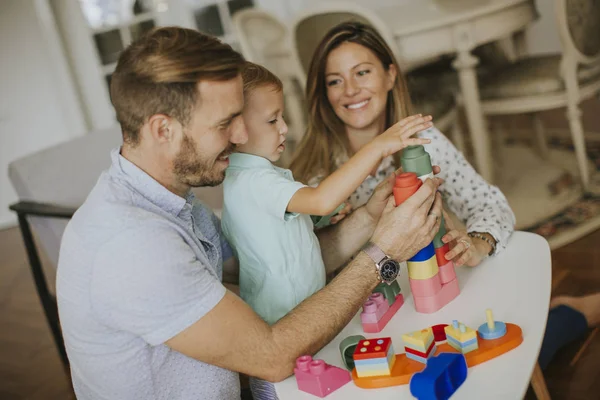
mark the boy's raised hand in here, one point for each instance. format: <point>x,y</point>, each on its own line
<point>399,135</point>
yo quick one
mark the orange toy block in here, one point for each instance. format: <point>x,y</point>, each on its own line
<point>404,368</point>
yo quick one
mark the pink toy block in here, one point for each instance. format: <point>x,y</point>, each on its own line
<point>447,273</point>
<point>374,308</point>
<point>319,378</point>
<point>430,304</point>
<point>425,287</point>
<point>379,324</point>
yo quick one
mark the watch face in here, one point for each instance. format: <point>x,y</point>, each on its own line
<point>389,270</point>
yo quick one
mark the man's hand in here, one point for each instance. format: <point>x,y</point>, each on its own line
<point>383,192</point>
<point>404,230</point>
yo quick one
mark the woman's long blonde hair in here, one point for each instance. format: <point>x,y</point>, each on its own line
<point>326,134</point>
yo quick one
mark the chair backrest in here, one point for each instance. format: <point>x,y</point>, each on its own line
<point>264,40</point>
<point>312,25</point>
<point>579,29</point>
<point>64,175</point>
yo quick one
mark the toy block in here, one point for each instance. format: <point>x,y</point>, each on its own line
<point>404,368</point>
<point>389,291</point>
<point>406,185</point>
<point>422,269</point>
<point>430,304</point>
<point>444,374</point>
<point>319,378</point>
<point>437,239</point>
<point>374,308</point>
<point>418,340</point>
<point>447,272</point>
<point>440,253</point>
<point>419,355</point>
<point>425,287</point>
<point>461,337</point>
<point>439,334</point>
<point>424,254</point>
<point>374,357</point>
<point>377,326</point>
<point>347,348</point>
<point>491,329</point>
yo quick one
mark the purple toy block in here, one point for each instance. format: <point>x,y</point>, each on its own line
<point>319,378</point>
<point>374,308</point>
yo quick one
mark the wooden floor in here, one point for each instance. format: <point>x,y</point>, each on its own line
<point>30,367</point>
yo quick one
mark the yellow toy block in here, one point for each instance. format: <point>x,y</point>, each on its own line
<point>460,332</point>
<point>422,269</point>
<point>419,339</point>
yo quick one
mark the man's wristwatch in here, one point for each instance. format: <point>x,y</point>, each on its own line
<point>387,269</point>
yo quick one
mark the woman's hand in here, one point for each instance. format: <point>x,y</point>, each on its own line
<point>398,136</point>
<point>342,214</point>
<point>464,250</point>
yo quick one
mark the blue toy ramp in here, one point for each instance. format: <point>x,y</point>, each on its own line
<point>440,379</point>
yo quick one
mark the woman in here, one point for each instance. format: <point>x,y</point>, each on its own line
<point>356,91</point>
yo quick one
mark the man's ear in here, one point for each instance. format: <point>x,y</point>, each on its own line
<point>161,128</point>
<point>392,73</point>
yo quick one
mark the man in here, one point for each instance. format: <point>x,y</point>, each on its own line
<point>143,309</point>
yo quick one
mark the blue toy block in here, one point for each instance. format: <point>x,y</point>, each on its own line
<point>488,334</point>
<point>425,253</point>
<point>441,378</point>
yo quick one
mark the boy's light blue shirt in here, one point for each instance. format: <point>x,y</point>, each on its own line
<point>279,254</point>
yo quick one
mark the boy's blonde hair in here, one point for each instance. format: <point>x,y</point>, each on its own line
<point>255,76</point>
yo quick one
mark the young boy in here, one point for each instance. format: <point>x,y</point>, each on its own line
<point>266,213</point>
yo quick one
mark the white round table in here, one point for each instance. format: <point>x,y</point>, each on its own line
<point>515,285</point>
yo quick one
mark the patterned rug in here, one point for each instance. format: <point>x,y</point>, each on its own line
<point>581,217</point>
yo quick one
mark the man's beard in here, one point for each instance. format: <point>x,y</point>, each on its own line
<point>196,170</point>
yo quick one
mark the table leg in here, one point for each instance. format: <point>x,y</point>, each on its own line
<point>465,65</point>
<point>539,384</point>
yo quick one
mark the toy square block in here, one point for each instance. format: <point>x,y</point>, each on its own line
<point>440,252</point>
<point>376,366</point>
<point>425,287</point>
<point>441,377</point>
<point>431,304</point>
<point>460,332</point>
<point>374,327</point>
<point>389,291</point>
<point>372,348</point>
<point>418,339</point>
<point>319,378</point>
<point>465,347</point>
<point>447,272</point>
<point>422,269</point>
<point>424,254</point>
<point>417,352</point>
<point>374,308</point>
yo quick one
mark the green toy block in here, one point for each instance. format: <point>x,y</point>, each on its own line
<point>347,347</point>
<point>323,221</point>
<point>389,291</point>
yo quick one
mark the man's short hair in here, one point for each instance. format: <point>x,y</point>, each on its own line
<point>158,74</point>
<point>255,76</point>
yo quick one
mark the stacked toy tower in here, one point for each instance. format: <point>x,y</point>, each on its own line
<point>374,357</point>
<point>432,278</point>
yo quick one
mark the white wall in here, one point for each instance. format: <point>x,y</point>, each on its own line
<point>38,102</point>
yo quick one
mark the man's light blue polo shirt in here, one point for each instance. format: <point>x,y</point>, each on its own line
<point>138,265</point>
<point>279,254</point>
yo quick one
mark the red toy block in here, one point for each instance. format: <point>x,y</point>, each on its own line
<point>319,378</point>
<point>446,272</point>
<point>425,287</point>
<point>406,185</point>
<point>440,253</point>
<point>418,353</point>
<point>372,348</point>
<point>439,333</point>
<point>431,304</point>
<point>374,327</point>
